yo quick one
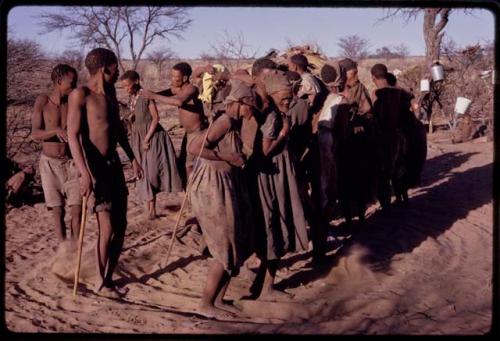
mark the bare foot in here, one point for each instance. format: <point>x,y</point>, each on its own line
<point>213,312</point>
<point>107,292</point>
<point>228,306</point>
<point>112,291</point>
<point>275,295</point>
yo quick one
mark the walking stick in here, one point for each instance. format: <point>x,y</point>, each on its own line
<point>80,244</point>
<point>188,187</point>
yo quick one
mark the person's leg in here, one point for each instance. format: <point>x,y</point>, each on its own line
<point>216,280</point>
<point>104,233</point>
<point>58,219</point>
<point>219,300</point>
<point>76,212</point>
<point>119,226</point>
<point>268,289</point>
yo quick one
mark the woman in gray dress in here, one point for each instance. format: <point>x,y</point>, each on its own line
<point>219,199</point>
<point>284,228</point>
<point>151,145</point>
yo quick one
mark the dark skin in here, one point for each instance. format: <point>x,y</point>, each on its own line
<point>49,126</point>
<point>183,96</point>
<point>94,103</point>
<point>212,303</point>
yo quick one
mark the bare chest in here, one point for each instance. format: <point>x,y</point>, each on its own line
<point>55,116</point>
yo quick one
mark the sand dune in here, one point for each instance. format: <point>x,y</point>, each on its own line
<point>425,269</point>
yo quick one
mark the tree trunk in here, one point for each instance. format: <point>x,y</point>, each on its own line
<point>433,32</point>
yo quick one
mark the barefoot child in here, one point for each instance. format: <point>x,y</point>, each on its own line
<point>94,129</point>
<point>219,199</point>
<point>57,169</point>
<point>151,145</point>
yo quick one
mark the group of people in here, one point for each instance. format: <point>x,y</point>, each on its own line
<point>268,159</point>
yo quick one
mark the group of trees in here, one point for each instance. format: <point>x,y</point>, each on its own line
<point>137,30</point>
<point>356,47</point>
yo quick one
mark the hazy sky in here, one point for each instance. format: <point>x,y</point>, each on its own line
<point>264,28</point>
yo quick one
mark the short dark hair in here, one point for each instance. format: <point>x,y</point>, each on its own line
<point>99,57</point>
<point>348,64</point>
<point>183,68</point>
<point>130,75</point>
<point>300,60</point>
<point>379,71</point>
<point>328,73</point>
<point>292,76</point>
<point>391,79</point>
<point>61,70</point>
<point>262,63</point>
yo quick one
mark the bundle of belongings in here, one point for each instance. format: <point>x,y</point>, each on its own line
<point>315,58</point>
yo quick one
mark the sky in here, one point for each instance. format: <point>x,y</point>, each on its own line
<point>265,28</point>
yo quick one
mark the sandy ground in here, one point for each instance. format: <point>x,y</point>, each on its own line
<point>424,269</point>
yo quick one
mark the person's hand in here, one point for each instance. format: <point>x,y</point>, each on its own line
<point>358,129</point>
<point>210,69</point>
<point>85,185</point>
<point>15,182</point>
<point>147,94</point>
<point>138,171</point>
<point>62,135</point>
<point>236,159</point>
<point>286,127</point>
<point>146,145</point>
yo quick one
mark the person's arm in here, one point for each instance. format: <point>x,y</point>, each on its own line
<point>76,101</point>
<point>217,131</point>
<point>155,119</point>
<point>123,141</point>
<point>38,131</point>
<point>269,145</point>
<point>177,100</point>
<point>199,71</point>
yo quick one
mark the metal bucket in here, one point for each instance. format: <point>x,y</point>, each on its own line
<point>462,105</point>
<point>437,72</point>
<point>425,85</point>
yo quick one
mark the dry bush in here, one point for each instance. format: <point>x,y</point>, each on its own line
<point>28,71</point>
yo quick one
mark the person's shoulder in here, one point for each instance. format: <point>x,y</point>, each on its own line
<point>79,93</point>
<point>42,99</point>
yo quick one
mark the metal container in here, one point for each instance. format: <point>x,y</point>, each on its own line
<point>425,85</point>
<point>437,72</point>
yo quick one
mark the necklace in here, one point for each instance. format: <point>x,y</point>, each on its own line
<point>133,101</point>
<point>51,101</point>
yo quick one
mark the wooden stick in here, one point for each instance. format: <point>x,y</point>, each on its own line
<point>80,244</point>
<point>188,187</point>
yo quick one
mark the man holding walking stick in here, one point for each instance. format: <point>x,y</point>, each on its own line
<point>94,129</point>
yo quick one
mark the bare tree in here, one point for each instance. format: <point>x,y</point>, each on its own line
<point>160,56</point>
<point>353,46</point>
<point>115,28</point>
<point>73,58</point>
<point>388,52</point>
<point>231,47</point>
<point>435,20</point>
<point>401,50</point>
